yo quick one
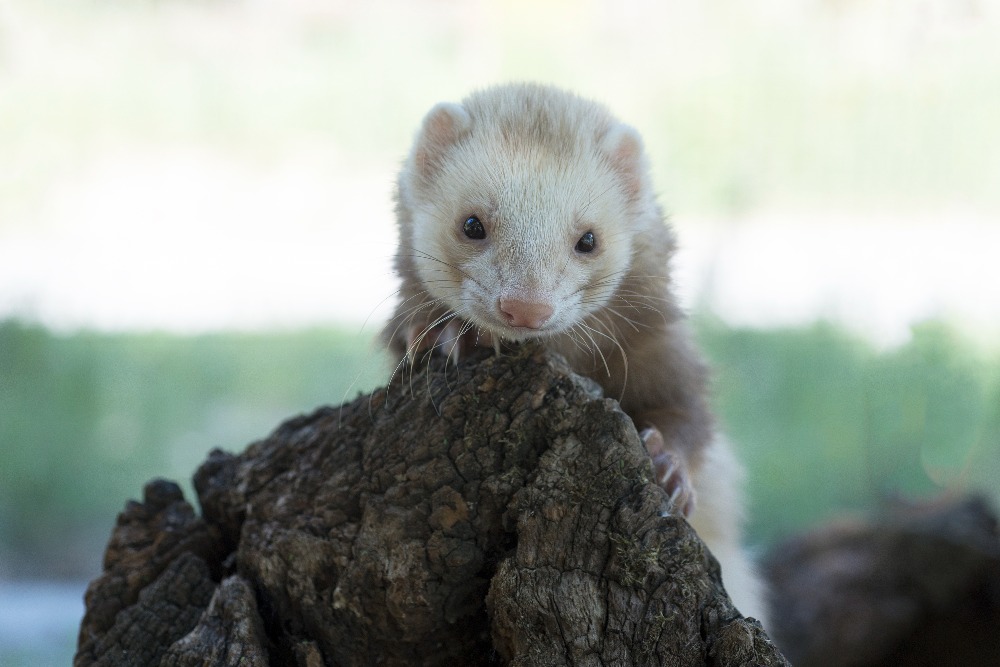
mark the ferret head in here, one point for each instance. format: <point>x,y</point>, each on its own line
<point>520,209</point>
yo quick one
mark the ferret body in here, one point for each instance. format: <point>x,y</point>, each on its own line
<point>527,213</point>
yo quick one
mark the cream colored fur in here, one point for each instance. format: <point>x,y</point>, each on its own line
<point>718,520</point>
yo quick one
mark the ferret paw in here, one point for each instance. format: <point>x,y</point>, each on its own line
<point>670,472</point>
<point>446,340</point>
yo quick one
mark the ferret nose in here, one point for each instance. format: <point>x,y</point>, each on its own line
<point>528,314</point>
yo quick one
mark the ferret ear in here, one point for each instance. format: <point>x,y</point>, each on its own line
<point>443,125</point>
<point>622,146</point>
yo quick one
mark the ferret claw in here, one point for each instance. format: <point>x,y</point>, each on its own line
<point>670,472</point>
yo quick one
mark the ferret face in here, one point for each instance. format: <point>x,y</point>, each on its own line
<point>521,219</point>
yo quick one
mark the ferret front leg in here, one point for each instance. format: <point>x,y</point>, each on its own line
<point>453,339</point>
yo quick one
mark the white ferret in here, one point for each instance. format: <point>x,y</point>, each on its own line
<point>527,213</point>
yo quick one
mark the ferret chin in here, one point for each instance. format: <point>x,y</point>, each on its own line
<point>526,212</point>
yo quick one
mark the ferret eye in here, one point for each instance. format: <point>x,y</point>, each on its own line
<point>473,228</point>
<point>587,243</point>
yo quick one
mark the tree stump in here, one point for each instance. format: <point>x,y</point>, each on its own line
<point>501,512</point>
<point>917,586</point>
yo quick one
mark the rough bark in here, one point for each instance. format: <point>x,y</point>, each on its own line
<point>501,512</point>
<point>920,586</point>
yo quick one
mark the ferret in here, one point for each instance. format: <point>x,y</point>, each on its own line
<point>526,213</point>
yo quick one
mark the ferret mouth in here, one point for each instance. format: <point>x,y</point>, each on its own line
<point>519,334</point>
<point>488,329</point>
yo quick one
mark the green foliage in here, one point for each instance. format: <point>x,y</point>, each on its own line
<point>827,423</point>
<point>87,419</point>
<point>824,421</point>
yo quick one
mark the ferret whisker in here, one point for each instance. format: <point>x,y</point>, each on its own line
<point>418,341</point>
<point>628,320</point>
<point>606,279</point>
<point>403,310</point>
<point>613,274</point>
<point>640,307</point>
<point>429,352</point>
<point>640,302</point>
<point>419,295</point>
<point>588,331</point>
<point>635,296</point>
<point>455,349</point>
<point>406,318</point>
<point>635,302</point>
<point>582,342</point>
<point>410,314</point>
<point>426,255</point>
<point>377,306</point>
<point>614,340</point>
<point>611,325</point>
<point>428,355</point>
<point>577,340</point>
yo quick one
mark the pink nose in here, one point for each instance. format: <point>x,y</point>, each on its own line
<point>528,314</point>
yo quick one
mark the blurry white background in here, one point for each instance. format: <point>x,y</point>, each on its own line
<point>193,166</point>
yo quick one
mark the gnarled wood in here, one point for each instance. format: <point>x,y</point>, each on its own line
<point>499,512</point>
<point>919,586</point>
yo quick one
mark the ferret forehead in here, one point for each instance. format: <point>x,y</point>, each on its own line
<point>526,163</point>
<point>531,183</point>
<point>540,149</point>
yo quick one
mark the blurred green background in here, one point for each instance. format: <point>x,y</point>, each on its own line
<point>824,422</point>
<point>196,221</point>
